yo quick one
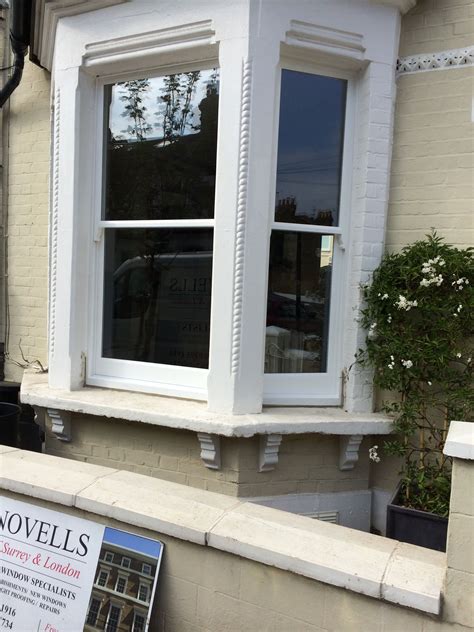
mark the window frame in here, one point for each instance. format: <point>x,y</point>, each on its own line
<point>117,607</point>
<point>319,389</point>
<point>146,586</point>
<point>164,379</point>
<point>94,599</point>
<point>142,614</point>
<point>109,557</point>
<point>124,578</point>
<point>106,572</point>
<point>128,562</point>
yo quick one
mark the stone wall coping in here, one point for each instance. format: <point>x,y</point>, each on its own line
<point>192,415</point>
<point>460,440</point>
<point>361,562</point>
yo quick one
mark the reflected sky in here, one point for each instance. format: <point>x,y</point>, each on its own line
<point>311,130</point>
<point>152,95</point>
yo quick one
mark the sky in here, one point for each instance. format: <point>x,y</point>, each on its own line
<point>131,541</point>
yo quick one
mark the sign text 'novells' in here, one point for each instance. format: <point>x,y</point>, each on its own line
<point>43,532</point>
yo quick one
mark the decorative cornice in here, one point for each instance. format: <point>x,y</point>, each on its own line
<point>54,225</point>
<point>333,42</point>
<point>241,214</point>
<point>192,34</point>
<point>456,58</point>
<point>402,5</point>
<point>46,17</point>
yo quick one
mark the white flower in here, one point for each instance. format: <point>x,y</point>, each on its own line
<point>469,360</point>
<point>384,297</point>
<point>389,318</point>
<point>404,303</point>
<point>372,331</point>
<point>373,456</point>
<point>429,383</point>
<point>433,280</point>
<point>407,364</point>
<point>458,355</point>
<point>459,284</point>
<point>459,308</point>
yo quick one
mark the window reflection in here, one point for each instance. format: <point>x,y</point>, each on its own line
<point>298,302</point>
<point>310,141</point>
<point>157,295</point>
<point>161,147</point>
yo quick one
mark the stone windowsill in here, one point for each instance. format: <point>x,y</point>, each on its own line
<point>361,562</point>
<point>191,415</point>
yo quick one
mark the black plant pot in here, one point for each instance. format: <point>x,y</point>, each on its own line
<point>9,415</point>
<point>416,527</point>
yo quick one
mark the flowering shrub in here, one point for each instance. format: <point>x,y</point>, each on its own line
<point>419,318</point>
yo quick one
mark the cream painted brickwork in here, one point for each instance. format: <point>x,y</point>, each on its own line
<point>433,158</point>
<point>436,25</point>
<point>460,575</point>
<point>28,201</point>
<point>307,463</point>
<point>204,589</point>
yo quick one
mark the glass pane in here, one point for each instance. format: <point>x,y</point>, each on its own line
<point>310,141</point>
<point>298,302</point>
<point>157,295</point>
<point>161,147</point>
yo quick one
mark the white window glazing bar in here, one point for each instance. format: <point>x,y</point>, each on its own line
<point>305,228</point>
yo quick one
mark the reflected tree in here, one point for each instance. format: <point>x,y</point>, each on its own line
<point>132,94</point>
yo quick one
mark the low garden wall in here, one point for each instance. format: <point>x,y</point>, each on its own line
<point>231,565</point>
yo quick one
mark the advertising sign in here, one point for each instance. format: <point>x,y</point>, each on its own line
<point>60,573</point>
<point>48,562</point>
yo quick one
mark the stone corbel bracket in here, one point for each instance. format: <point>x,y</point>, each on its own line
<point>61,425</point>
<point>210,450</point>
<point>268,452</point>
<point>349,451</point>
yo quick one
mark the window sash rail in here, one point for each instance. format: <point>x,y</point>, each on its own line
<point>157,223</point>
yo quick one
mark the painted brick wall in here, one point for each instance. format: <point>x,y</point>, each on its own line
<point>432,163</point>
<point>28,189</point>
<point>307,463</point>
<point>437,25</point>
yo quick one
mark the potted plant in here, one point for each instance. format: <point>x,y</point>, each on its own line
<point>418,316</point>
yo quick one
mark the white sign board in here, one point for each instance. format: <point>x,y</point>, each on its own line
<point>48,564</point>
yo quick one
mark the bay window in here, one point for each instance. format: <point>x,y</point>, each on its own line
<point>218,196</point>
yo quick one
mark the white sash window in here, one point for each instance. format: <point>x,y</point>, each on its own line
<point>219,193</point>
